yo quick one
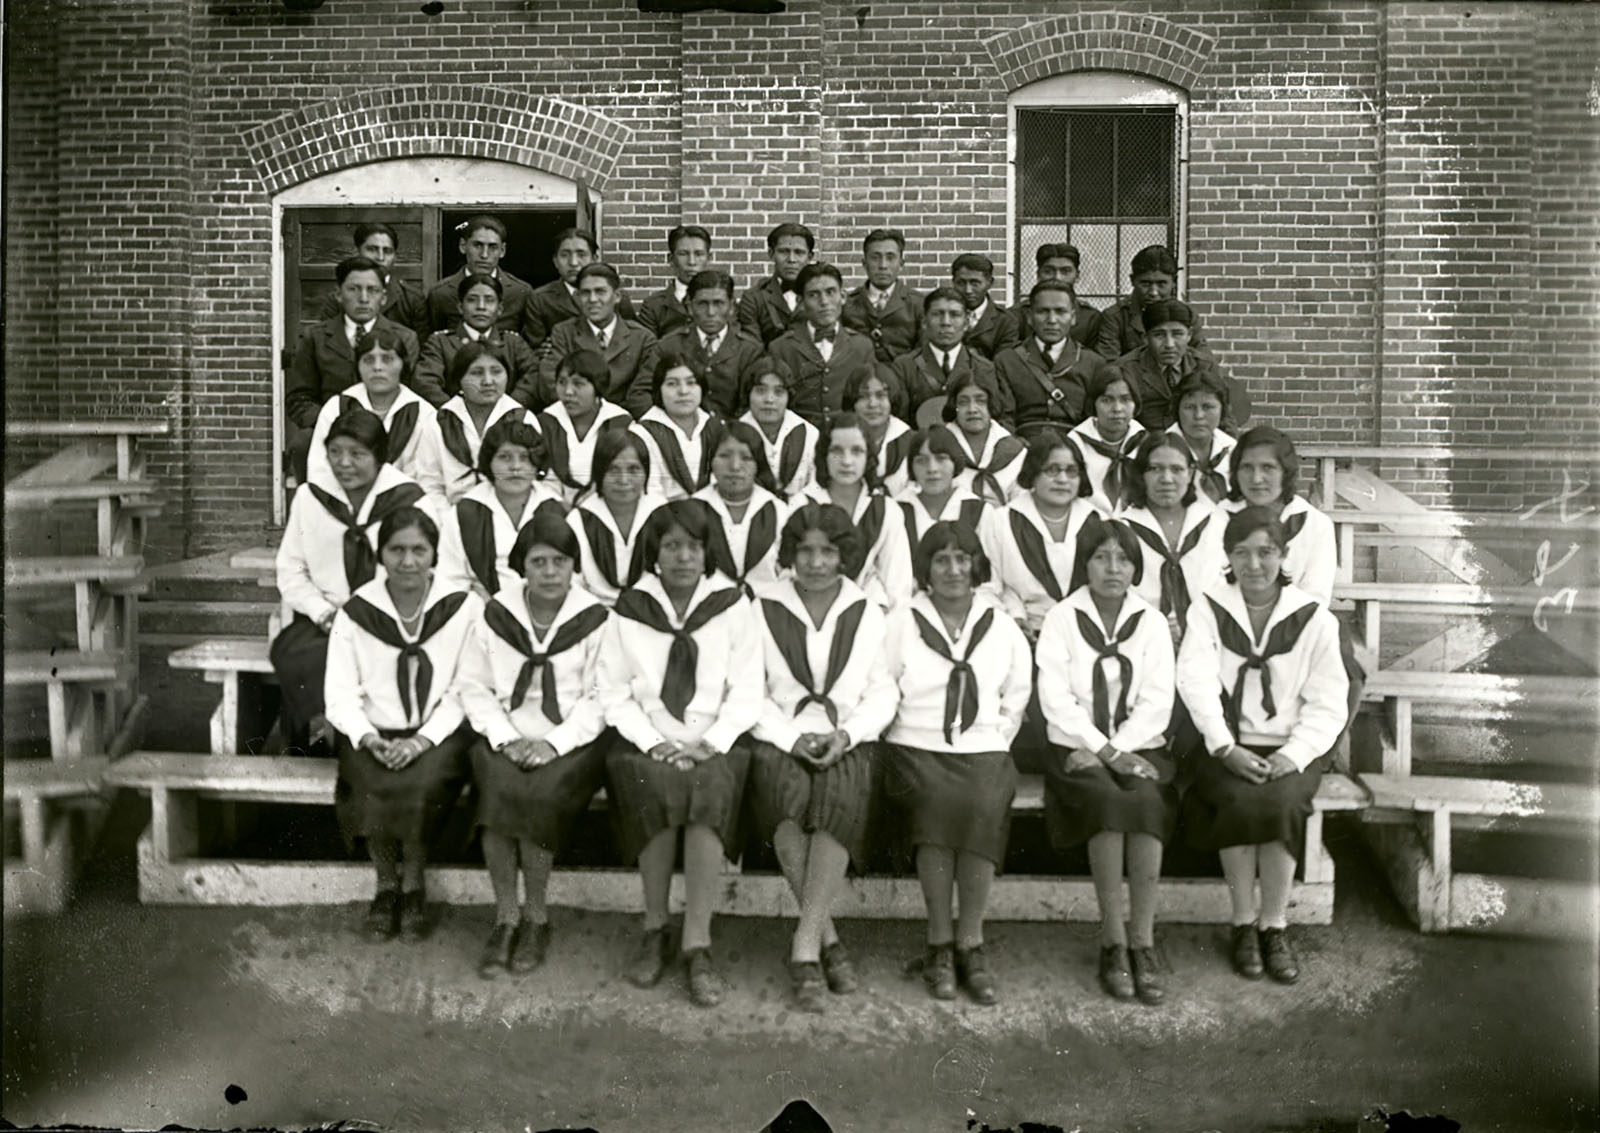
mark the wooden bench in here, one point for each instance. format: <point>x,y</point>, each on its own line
<point>1481,694</point>
<point>221,660</point>
<point>1445,600</point>
<point>172,872</point>
<point>121,433</point>
<point>80,694</point>
<point>40,881</point>
<point>1411,820</point>
<point>1328,458</point>
<point>105,594</point>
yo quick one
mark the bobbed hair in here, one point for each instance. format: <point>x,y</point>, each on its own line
<point>1265,436</point>
<point>825,440</point>
<point>547,526</point>
<point>1245,523</point>
<point>463,359</point>
<point>935,440</point>
<point>944,536</point>
<point>511,430</point>
<point>830,519</point>
<point>388,338</point>
<point>1149,444</point>
<point>586,363</point>
<point>1201,381</point>
<point>1045,442</point>
<point>611,444</point>
<point>694,517</point>
<point>1101,380</point>
<point>760,368</point>
<point>665,364</point>
<point>969,380</point>
<point>1095,533</point>
<point>746,434</point>
<point>404,519</point>
<point>365,428</point>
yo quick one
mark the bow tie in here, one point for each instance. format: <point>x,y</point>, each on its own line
<point>789,285</point>
<point>825,335</point>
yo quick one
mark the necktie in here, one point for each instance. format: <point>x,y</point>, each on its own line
<point>1282,638</point>
<point>946,362</point>
<point>570,634</point>
<point>961,691</point>
<point>1107,651</point>
<point>677,689</point>
<point>972,320</point>
<point>1173,377</point>
<point>412,656</point>
<point>878,299</point>
<point>1212,479</point>
<point>604,336</point>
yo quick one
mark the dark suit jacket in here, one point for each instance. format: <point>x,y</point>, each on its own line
<point>1015,328</point>
<point>985,335</point>
<point>895,329</point>
<point>630,356</point>
<point>444,308</point>
<point>725,392</point>
<point>550,306</point>
<point>661,313</point>
<point>324,364</point>
<point>763,314</point>
<point>919,374</point>
<point>818,391</point>
<point>522,383</point>
<point>1122,330</point>
<point>1024,377</point>
<point>1152,390</point>
<point>403,303</point>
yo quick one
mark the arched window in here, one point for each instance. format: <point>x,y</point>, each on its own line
<point>1099,161</point>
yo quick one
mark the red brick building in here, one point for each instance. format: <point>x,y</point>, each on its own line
<point>1388,214</point>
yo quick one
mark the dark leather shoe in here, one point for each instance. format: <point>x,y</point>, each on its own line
<point>705,985</point>
<point>1147,981</point>
<point>415,923</point>
<point>810,989</point>
<point>1115,977</point>
<point>650,958</point>
<point>533,945</point>
<point>1247,952</point>
<point>496,952</point>
<point>1278,956</point>
<point>382,921</point>
<point>972,969</point>
<point>838,969</point>
<point>939,971</point>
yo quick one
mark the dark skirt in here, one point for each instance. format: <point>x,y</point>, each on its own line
<point>1079,805</point>
<point>300,658</point>
<point>1223,810</point>
<point>537,804</point>
<point>959,800</point>
<point>648,797</point>
<point>836,801</point>
<point>1030,751</point>
<point>412,803</point>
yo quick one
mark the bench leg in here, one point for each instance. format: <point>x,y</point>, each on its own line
<point>55,694</point>
<point>106,511</point>
<point>174,824</point>
<point>1318,866</point>
<point>1433,904</point>
<point>1397,761</point>
<point>31,811</point>
<point>225,717</point>
<point>84,603</point>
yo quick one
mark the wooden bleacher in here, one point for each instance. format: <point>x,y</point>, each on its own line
<point>42,792</point>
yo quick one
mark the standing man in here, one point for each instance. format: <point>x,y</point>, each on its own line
<point>402,302</point>
<point>483,243</point>
<point>1154,274</point>
<point>973,276</point>
<point>824,356</point>
<point>1053,263</point>
<point>1043,379</point>
<point>689,252</point>
<point>926,372</point>
<point>557,301</point>
<point>773,306</point>
<point>883,308</point>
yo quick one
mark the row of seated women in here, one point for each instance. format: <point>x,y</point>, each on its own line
<point>793,662</point>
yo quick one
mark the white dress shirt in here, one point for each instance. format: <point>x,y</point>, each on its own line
<point>805,471</point>
<point>621,544</point>
<point>440,471</point>
<point>407,460</point>
<point>1066,675</point>
<point>886,576</point>
<point>1011,583</point>
<point>454,565</point>
<point>690,444</point>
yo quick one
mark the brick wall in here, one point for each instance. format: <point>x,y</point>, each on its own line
<point>1391,215</point>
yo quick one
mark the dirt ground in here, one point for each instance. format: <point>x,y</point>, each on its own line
<point>134,1017</point>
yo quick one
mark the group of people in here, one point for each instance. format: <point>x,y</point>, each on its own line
<point>791,584</point>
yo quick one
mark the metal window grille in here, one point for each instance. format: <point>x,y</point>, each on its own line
<point>1104,181</point>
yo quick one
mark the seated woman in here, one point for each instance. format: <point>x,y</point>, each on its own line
<point>935,492</point>
<point>1106,690</point>
<point>527,685</point>
<point>675,428</point>
<point>881,563</point>
<point>384,371</point>
<point>1201,403</point>
<point>447,456</point>
<point>402,739</point>
<point>872,398</point>
<point>479,531</point>
<point>328,551</point>
<point>991,456</point>
<point>1107,440</point>
<point>748,515</point>
<point>965,677</point>
<point>790,440</point>
<point>573,424</point>
<point>1031,542</point>
<point>1260,673</point>
<point>828,699</point>
<point>1170,520</point>
<point>681,681</point>
<point>609,517</point>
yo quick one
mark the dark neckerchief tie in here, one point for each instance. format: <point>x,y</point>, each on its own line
<point>454,435</point>
<point>1030,545</point>
<point>1213,481</point>
<point>789,633</point>
<point>1174,587</point>
<point>1236,640</point>
<point>895,453</point>
<point>985,481</point>
<point>476,521</point>
<point>1105,651</point>
<point>762,535</point>
<point>1119,470</point>
<point>1293,525</point>
<point>401,424</point>
<point>870,527</point>
<point>360,560</point>
<point>790,454</point>
<point>683,657</point>
<point>603,549</point>
<point>961,691</point>
<point>568,634</point>
<point>666,437</point>
<point>412,656</point>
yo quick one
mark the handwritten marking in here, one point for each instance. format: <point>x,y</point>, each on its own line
<point>1568,492</point>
